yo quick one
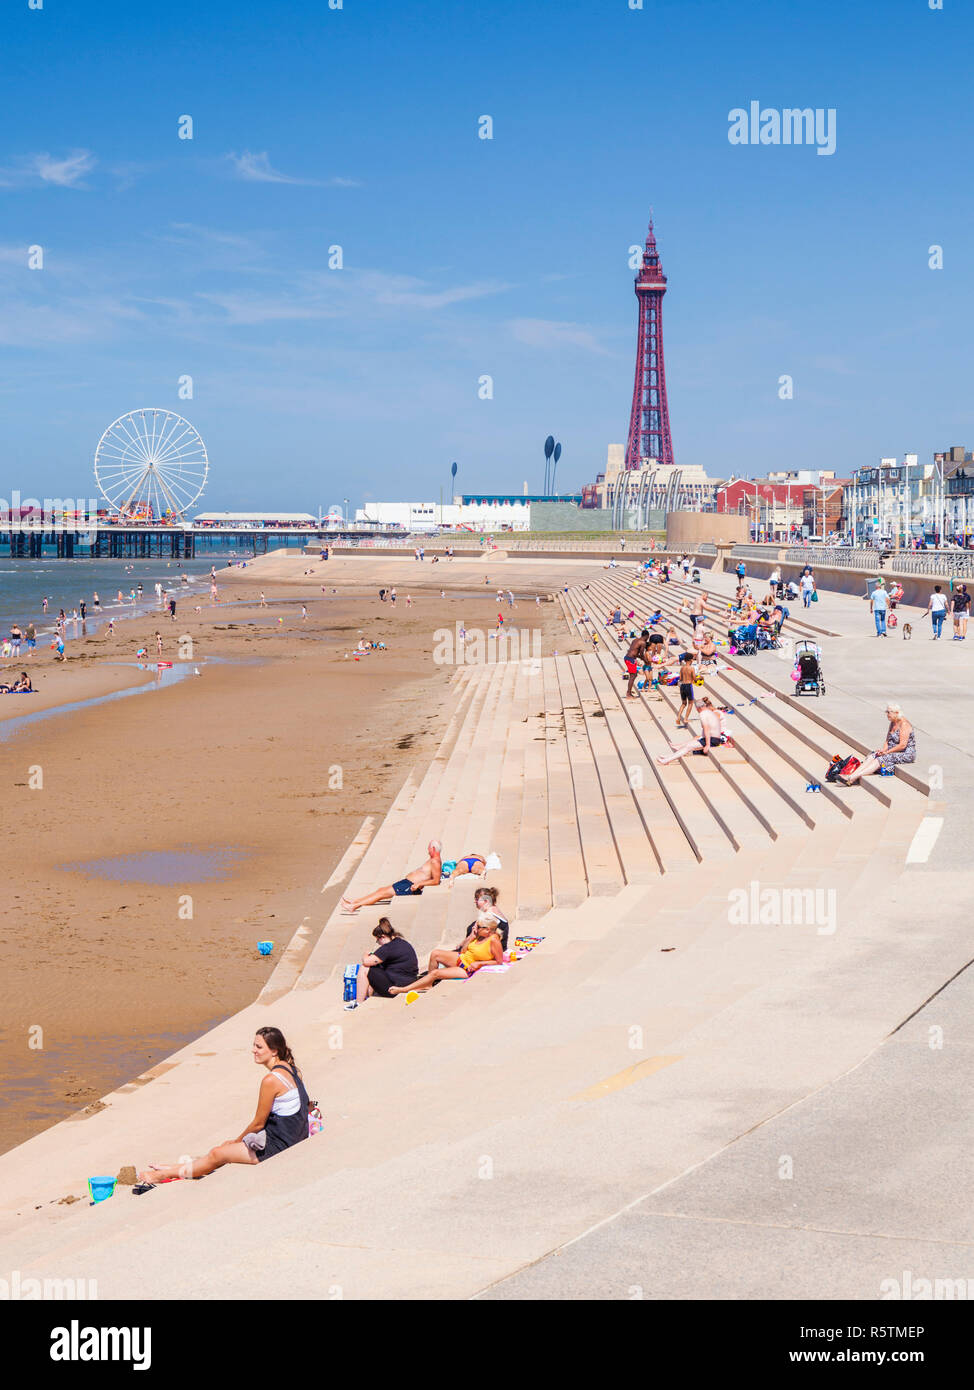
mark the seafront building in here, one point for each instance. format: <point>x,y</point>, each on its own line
<point>903,503</point>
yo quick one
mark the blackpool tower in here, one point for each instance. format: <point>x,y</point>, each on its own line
<point>649,420</point>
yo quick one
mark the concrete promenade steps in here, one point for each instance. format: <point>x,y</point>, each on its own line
<point>629,871</point>
<point>716,614</point>
<point>777,766</point>
<point>731,1017</point>
<point>787,717</point>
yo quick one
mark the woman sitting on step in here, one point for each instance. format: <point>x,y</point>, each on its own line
<point>708,650</point>
<point>713,735</point>
<point>392,962</point>
<point>483,949</point>
<point>485,901</point>
<point>280,1119</point>
<point>900,747</point>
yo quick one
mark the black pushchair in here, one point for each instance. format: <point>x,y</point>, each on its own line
<point>808,659</point>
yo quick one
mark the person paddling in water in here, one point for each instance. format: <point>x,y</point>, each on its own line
<point>426,876</point>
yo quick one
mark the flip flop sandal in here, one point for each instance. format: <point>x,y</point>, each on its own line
<point>141,1187</point>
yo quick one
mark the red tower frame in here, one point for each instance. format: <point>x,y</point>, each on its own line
<point>649,419</point>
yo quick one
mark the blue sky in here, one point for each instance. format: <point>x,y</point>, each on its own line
<point>466,257</point>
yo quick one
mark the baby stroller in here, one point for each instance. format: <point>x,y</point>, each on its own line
<point>744,638</point>
<point>808,659</point>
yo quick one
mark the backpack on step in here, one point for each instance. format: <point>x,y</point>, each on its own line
<point>841,766</point>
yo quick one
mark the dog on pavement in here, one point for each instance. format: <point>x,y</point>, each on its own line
<point>907,631</point>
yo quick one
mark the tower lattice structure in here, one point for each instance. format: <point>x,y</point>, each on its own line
<point>649,419</point>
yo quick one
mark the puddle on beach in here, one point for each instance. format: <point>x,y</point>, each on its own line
<point>163,866</point>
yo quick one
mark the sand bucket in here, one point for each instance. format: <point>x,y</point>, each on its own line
<point>265,947</point>
<point>101,1188</point>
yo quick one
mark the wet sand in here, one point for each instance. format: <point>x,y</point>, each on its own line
<point>108,972</point>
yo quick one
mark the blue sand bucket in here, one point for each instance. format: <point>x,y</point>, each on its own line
<point>101,1188</point>
<point>265,947</point>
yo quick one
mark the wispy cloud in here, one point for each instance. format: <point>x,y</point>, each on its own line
<point>256,167</point>
<point>243,308</point>
<point>405,291</point>
<point>547,333</point>
<point>67,172</point>
<point>193,232</point>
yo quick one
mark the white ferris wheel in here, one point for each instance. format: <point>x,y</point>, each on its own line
<point>151,465</point>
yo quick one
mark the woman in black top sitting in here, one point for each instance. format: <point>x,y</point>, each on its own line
<point>393,962</point>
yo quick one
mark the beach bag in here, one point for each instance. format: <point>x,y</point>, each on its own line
<point>841,766</point>
<point>892,620</point>
<point>838,764</point>
<point>815,596</point>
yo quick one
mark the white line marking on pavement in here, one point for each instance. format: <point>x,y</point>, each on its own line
<point>924,840</point>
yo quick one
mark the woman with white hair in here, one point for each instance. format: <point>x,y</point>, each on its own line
<point>900,747</point>
<point>482,948</point>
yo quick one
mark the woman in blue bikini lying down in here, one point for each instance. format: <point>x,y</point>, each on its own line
<point>470,864</point>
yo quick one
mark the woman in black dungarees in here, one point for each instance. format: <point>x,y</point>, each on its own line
<point>280,1120</point>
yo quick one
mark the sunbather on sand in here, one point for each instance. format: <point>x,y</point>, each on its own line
<point>280,1120</point>
<point>483,949</point>
<point>426,876</point>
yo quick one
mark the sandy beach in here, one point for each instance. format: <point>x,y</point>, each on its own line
<point>220,788</point>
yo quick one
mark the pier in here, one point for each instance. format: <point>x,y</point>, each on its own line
<point>23,541</point>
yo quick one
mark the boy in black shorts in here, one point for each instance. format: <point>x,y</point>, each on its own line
<point>688,674</point>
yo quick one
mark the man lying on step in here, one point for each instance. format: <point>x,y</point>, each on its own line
<point>426,876</point>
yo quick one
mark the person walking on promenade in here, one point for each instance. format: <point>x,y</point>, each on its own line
<point>937,608</point>
<point>808,588</point>
<point>900,747</point>
<point>741,571</point>
<point>878,604</point>
<point>960,611</point>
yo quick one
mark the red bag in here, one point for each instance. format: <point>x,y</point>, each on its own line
<point>892,620</point>
<point>849,766</point>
